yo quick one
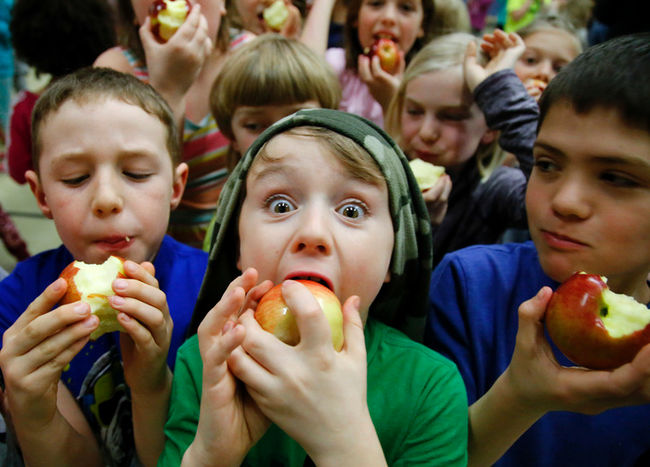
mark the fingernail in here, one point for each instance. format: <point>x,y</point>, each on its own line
<point>118,301</point>
<point>227,327</point>
<point>119,284</point>
<point>91,321</point>
<point>81,308</point>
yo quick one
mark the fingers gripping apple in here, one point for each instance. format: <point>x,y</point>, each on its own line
<point>387,52</point>
<point>167,16</point>
<point>93,284</point>
<point>274,314</point>
<point>426,174</point>
<point>595,327</point>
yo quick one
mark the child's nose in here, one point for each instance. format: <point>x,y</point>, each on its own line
<point>544,71</point>
<point>389,13</point>
<point>430,129</point>
<point>107,199</point>
<point>571,199</point>
<point>313,232</point>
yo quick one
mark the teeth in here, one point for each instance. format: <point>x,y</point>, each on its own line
<point>127,239</point>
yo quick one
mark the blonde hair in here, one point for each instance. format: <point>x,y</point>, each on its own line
<point>444,52</point>
<point>271,69</point>
<point>451,16</point>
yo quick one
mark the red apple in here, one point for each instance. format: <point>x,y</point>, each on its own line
<point>274,315</point>
<point>595,327</point>
<point>93,284</point>
<point>167,16</point>
<point>388,54</point>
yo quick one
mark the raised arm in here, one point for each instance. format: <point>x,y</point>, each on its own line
<point>315,31</point>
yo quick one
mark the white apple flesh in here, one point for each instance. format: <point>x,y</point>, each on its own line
<point>273,314</point>
<point>93,284</point>
<point>426,173</point>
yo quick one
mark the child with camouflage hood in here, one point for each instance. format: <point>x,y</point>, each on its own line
<point>327,194</point>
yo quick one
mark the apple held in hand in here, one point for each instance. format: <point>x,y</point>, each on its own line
<point>426,173</point>
<point>93,284</point>
<point>388,54</point>
<point>595,327</point>
<point>167,16</point>
<point>276,15</point>
<point>274,315</point>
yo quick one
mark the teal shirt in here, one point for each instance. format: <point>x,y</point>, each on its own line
<point>416,398</point>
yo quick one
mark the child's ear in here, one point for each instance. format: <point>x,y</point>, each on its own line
<point>178,185</point>
<point>489,137</point>
<point>37,189</point>
<point>387,278</point>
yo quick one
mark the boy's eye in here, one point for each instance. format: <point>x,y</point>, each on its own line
<point>137,176</point>
<point>280,205</point>
<point>619,180</point>
<point>411,110</point>
<point>75,180</point>
<point>254,127</point>
<point>352,210</point>
<point>454,116</point>
<point>545,165</point>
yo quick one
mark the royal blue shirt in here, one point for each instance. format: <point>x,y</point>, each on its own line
<point>474,297</point>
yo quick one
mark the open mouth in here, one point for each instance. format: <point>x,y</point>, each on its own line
<point>322,281</point>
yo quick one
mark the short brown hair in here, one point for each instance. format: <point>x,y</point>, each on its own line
<point>93,84</point>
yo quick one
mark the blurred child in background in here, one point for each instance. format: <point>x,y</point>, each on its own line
<point>448,111</point>
<point>366,87</point>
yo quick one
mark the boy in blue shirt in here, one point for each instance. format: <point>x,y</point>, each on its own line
<point>588,202</point>
<point>108,172</point>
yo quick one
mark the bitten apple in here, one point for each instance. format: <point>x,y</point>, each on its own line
<point>426,173</point>
<point>387,52</point>
<point>595,327</point>
<point>167,16</point>
<point>276,15</point>
<point>93,284</point>
<point>274,315</point>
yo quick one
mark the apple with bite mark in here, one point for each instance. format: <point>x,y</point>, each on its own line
<point>426,173</point>
<point>167,16</point>
<point>274,316</point>
<point>388,54</point>
<point>276,15</point>
<point>93,284</point>
<point>595,327</point>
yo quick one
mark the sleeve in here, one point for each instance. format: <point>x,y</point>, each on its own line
<point>184,405</point>
<point>19,153</point>
<point>510,109</point>
<point>439,428</point>
<point>336,58</point>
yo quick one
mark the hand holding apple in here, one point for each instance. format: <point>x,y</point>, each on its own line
<point>167,16</point>
<point>388,54</point>
<point>595,327</point>
<point>274,316</point>
<point>92,284</point>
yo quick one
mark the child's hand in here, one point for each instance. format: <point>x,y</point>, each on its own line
<point>539,381</point>
<point>36,349</point>
<point>144,313</point>
<point>230,423</point>
<point>503,51</point>
<point>315,394</point>
<point>381,84</point>
<point>174,65</point>
<point>437,198</point>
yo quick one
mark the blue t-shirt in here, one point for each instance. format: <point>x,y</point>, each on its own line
<point>473,319</point>
<point>95,376</point>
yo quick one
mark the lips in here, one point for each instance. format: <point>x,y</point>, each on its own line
<point>562,242</point>
<point>312,276</point>
<point>114,242</point>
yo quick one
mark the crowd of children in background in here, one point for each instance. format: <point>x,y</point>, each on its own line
<point>235,156</point>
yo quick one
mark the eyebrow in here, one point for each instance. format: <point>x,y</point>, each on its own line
<point>604,159</point>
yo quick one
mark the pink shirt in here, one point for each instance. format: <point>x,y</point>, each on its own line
<point>356,97</point>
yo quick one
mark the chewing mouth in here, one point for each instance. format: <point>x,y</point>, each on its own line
<point>382,35</point>
<point>317,279</point>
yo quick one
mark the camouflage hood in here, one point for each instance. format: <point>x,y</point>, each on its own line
<point>401,303</point>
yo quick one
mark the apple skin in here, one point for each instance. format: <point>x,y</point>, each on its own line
<point>573,321</point>
<point>164,27</point>
<point>274,316</point>
<point>97,295</point>
<point>388,54</point>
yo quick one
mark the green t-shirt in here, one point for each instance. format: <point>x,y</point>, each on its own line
<point>416,398</point>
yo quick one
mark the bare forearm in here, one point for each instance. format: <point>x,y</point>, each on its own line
<point>315,31</point>
<point>58,444</point>
<point>149,416</point>
<point>496,421</point>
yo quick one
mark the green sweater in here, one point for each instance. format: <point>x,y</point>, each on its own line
<point>416,399</point>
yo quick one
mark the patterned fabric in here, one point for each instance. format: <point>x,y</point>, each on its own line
<point>401,302</point>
